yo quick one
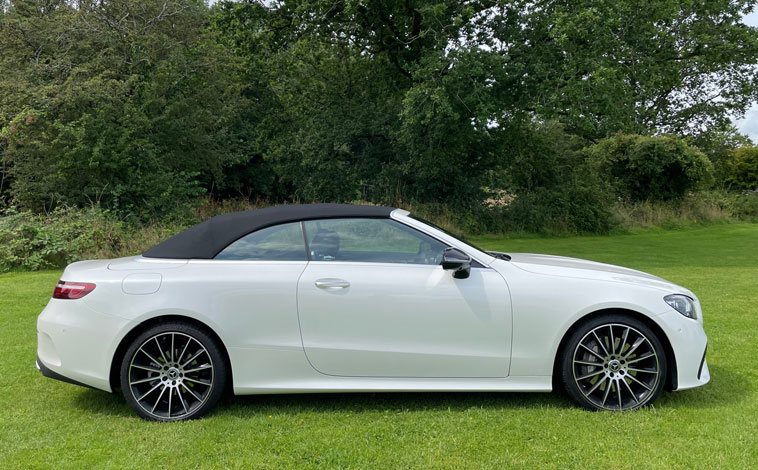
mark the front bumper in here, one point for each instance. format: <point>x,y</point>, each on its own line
<point>688,342</point>
<point>76,344</point>
<point>703,373</point>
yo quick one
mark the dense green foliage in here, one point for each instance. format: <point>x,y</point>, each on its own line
<point>46,424</point>
<point>744,174</point>
<point>130,104</point>
<point>141,106</point>
<point>433,100</point>
<point>643,168</point>
<point>31,241</point>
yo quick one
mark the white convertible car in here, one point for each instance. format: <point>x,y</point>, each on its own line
<point>344,298</point>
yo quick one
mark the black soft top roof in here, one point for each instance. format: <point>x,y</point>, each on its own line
<point>205,240</point>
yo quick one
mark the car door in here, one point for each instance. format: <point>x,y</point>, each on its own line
<point>250,287</point>
<point>374,301</point>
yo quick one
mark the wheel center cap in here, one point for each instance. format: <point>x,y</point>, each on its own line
<point>614,365</point>
<point>173,373</point>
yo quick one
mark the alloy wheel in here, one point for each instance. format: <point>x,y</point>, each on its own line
<point>171,375</point>
<point>616,367</point>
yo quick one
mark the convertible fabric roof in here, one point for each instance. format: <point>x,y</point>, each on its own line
<point>206,239</point>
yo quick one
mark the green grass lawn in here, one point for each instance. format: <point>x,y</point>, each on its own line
<point>49,424</point>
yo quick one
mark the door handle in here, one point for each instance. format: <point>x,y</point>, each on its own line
<point>332,283</point>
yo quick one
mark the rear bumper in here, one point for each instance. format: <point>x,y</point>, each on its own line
<point>76,344</point>
<point>50,374</point>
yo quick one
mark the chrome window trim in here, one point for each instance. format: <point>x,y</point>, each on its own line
<point>402,216</point>
<point>371,263</point>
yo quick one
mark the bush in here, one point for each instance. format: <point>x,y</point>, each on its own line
<point>32,241</point>
<point>745,168</point>
<point>745,206</point>
<point>640,168</point>
<point>551,188</point>
<point>571,209</point>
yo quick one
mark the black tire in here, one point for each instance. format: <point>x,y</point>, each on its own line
<point>173,371</point>
<point>624,374</point>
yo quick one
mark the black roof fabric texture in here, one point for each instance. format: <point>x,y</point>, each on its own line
<point>206,239</point>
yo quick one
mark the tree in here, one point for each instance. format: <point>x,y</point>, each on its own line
<point>680,67</point>
<point>422,99</point>
<point>139,104</point>
<point>719,145</point>
<point>745,168</point>
<point>129,103</point>
<point>359,102</point>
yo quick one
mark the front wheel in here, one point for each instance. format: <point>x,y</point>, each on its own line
<point>613,362</point>
<point>173,372</point>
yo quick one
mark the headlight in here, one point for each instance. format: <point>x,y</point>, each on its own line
<point>682,304</point>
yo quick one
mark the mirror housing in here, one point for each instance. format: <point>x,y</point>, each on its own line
<point>457,261</point>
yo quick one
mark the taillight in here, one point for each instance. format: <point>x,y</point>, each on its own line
<point>72,290</point>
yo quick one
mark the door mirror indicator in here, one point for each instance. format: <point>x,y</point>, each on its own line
<point>457,261</point>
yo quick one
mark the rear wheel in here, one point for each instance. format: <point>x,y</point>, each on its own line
<point>613,362</point>
<point>172,372</point>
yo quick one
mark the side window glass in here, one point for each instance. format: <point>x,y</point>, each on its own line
<point>371,240</point>
<point>278,243</point>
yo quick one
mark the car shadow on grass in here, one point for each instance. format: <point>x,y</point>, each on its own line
<point>103,403</point>
<point>113,404</point>
<point>726,388</point>
<point>368,402</point>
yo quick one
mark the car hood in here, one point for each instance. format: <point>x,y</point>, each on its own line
<point>580,268</point>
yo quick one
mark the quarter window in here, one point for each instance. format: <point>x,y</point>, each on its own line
<point>278,243</point>
<point>371,240</point>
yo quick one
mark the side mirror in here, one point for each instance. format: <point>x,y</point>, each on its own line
<point>457,261</point>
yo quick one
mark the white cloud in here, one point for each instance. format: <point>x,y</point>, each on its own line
<point>749,124</point>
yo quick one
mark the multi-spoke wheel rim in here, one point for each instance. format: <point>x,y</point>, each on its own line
<point>171,375</point>
<point>616,367</point>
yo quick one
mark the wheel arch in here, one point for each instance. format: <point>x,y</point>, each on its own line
<point>118,356</point>
<point>671,374</point>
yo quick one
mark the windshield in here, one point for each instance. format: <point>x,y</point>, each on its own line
<point>447,232</point>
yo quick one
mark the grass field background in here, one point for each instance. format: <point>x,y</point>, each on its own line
<point>48,424</point>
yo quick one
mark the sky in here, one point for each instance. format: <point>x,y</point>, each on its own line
<point>749,124</point>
